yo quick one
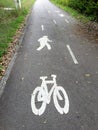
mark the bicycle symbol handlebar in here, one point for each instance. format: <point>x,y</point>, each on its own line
<point>42,96</point>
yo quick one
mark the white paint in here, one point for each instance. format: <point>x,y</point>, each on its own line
<point>9,8</point>
<point>66,21</point>
<point>57,11</point>
<point>61,15</point>
<point>49,11</point>
<point>43,95</point>
<point>54,21</point>
<point>72,54</point>
<point>44,42</point>
<point>42,27</point>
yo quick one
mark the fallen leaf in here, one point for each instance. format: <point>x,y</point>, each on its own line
<point>76,82</point>
<point>22,78</point>
<point>89,82</point>
<point>87,75</point>
<point>23,126</point>
<point>41,71</point>
<point>45,122</point>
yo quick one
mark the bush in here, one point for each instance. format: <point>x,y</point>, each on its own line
<point>87,7</point>
<point>62,2</point>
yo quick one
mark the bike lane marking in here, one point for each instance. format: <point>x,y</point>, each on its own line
<point>44,43</point>
<point>42,27</point>
<point>49,11</point>
<point>61,15</point>
<point>57,11</point>
<point>43,96</point>
<point>72,54</point>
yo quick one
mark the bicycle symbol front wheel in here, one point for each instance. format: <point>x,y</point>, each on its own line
<point>37,97</point>
<point>57,96</point>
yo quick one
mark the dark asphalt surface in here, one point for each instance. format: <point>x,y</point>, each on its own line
<point>79,80</point>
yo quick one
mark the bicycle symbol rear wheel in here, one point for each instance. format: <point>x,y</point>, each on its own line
<point>38,95</point>
<point>57,96</point>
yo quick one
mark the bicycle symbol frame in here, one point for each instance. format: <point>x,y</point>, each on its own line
<point>43,96</point>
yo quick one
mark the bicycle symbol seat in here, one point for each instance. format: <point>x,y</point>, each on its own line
<point>42,95</point>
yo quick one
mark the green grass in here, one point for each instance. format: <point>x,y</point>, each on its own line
<point>7,3</point>
<point>72,12</point>
<point>10,21</point>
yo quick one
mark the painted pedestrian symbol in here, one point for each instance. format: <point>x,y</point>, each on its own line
<point>44,42</point>
<point>43,96</point>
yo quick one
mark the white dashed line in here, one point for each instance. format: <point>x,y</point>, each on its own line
<point>42,27</point>
<point>49,11</point>
<point>72,54</point>
<point>66,21</point>
<point>61,15</point>
<point>57,11</point>
<point>54,21</point>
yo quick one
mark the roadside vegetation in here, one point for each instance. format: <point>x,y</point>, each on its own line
<point>82,9</point>
<point>10,22</point>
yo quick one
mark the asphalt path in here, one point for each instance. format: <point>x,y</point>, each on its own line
<point>72,58</point>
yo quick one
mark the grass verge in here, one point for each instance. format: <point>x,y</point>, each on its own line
<point>10,22</point>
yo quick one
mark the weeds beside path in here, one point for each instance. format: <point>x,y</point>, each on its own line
<point>10,29</point>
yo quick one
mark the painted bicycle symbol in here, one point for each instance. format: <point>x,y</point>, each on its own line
<point>41,95</point>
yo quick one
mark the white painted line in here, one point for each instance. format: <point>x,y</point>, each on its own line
<point>72,54</point>
<point>61,15</point>
<point>43,96</point>
<point>57,11</point>
<point>54,21</point>
<point>66,21</point>
<point>42,26</point>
